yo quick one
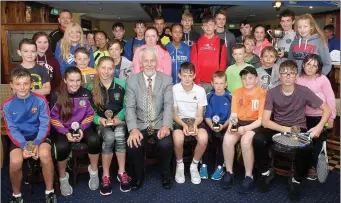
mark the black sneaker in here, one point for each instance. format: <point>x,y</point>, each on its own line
<point>51,198</point>
<point>124,179</point>
<point>246,185</point>
<point>294,191</point>
<point>105,188</point>
<point>227,181</point>
<point>265,181</point>
<point>16,200</point>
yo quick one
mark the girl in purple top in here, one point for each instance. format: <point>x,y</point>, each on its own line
<point>313,78</point>
<point>71,119</point>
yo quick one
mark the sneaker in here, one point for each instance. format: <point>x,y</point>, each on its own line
<point>180,173</point>
<point>218,173</point>
<point>312,175</point>
<point>203,172</point>
<point>94,180</point>
<point>16,200</point>
<point>195,176</point>
<point>65,187</point>
<point>124,180</point>
<point>294,190</point>
<point>227,181</point>
<point>246,185</point>
<point>265,181</point>
<point>51,198</point>
<point>105,186</point>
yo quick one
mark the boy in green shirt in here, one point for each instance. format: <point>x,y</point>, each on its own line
<point>232,72</point>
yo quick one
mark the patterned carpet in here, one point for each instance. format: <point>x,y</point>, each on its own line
<point>207,191</point>
<point>334,160</point>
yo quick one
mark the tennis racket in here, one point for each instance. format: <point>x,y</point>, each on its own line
<point>322,164</point>
<point>289,140</point>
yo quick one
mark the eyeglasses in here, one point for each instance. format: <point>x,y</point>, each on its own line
<point>291,75</point>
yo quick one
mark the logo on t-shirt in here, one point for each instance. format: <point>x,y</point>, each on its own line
<point>34,109</point>
<point>288,41</point>
<point>82,103</point>
<point>195,98</point>
<point>255,105</point>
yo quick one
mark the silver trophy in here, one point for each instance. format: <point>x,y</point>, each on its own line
<point>234,122</point>
<point>75,129</point>
<point>215,120</point>
<point>109,114</point>
<point>276,34</point>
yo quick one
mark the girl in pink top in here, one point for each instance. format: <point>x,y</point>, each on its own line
<point>313,78</point>
<point>261,41</point>
<point>164,63</point>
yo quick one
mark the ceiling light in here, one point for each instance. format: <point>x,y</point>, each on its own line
<point>310,7</point>
<point>277,5</point>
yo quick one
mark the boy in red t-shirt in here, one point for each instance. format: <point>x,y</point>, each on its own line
<point>208,54</point>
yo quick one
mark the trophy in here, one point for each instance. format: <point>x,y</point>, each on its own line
<point>216,126</point>
<point>109,115</point>
<point>295,130</point>
<point>190,124</point>
<point>234,122</point>
<point>75,129</point>
<point>30,146</point>
<point>276,34</point>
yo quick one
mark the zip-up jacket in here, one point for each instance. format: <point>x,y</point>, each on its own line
<point>70,61</point>
<point>82,111</point>
<point>218,105</point>
<point>178,56</point>
<point>207,59</point>
<point>113,99</point>
<point>229,41</point>
<point>190,37</point>
<point>27,119</point>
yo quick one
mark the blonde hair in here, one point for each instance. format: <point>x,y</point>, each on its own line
<point>314,27</point>
<point>97,95</point>
<point>65,42</point>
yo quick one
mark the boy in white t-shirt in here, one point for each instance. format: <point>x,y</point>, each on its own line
<point>189,103</point>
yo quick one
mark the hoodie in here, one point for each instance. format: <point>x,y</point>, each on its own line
<point>205,57</point>
<point>190,37</point>
<point>70,61</point>
<point>229,40</point>
<point>52,66</point>
<point>27,119</point>
<point>178,56</point>
<point>258,49</point>
<point>254,61</point>
<point>267,81</point>
<point>285,42</point>
<point>163,65</point>
<point>301,48</point>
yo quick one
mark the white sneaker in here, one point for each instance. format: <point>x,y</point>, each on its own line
<point>195,176</point>
<point>94,180</point>
<point>65,187</point>
<point>180,173</point>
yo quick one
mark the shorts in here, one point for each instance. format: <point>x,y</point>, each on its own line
<point>46,140</point>
<point>113,138</point>
<point>244,123</point>
<point>176,126</point>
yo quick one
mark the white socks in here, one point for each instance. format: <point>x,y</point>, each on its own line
<point>266,173</point>
<point>48,192</point>
<point>16,196</point>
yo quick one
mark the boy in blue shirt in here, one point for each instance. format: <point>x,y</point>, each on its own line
<point>178,50</point>
<point>219,104</point>
<point>26,117</point>
<point>135,42</point>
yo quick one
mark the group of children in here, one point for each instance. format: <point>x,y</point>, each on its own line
<point>264,96</point>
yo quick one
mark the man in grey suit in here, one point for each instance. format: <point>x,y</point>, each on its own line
<point>149,115</point>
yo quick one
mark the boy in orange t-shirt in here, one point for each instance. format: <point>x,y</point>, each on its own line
<point>247,107</point>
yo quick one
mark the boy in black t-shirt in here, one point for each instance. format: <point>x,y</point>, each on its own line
<point>41,79</point>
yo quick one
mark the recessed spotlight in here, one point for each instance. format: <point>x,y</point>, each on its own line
<point>100,8</point>
<point>310,7</point>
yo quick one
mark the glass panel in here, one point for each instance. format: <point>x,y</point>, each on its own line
<point>14,38</point>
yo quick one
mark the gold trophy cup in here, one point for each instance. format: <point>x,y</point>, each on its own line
<point>30,146</point>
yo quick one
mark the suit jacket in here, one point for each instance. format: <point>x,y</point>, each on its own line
<point>163,100</point>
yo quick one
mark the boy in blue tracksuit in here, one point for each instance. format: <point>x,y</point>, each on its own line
<point>27,118</point>
<point>219,104</point>
<point>178,50</point>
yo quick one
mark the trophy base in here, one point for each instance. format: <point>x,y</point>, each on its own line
<point>216,128</point>
<point>234,130</point>
<point>75,135</point>
<point>109,123</point>
<point>191,132</point>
